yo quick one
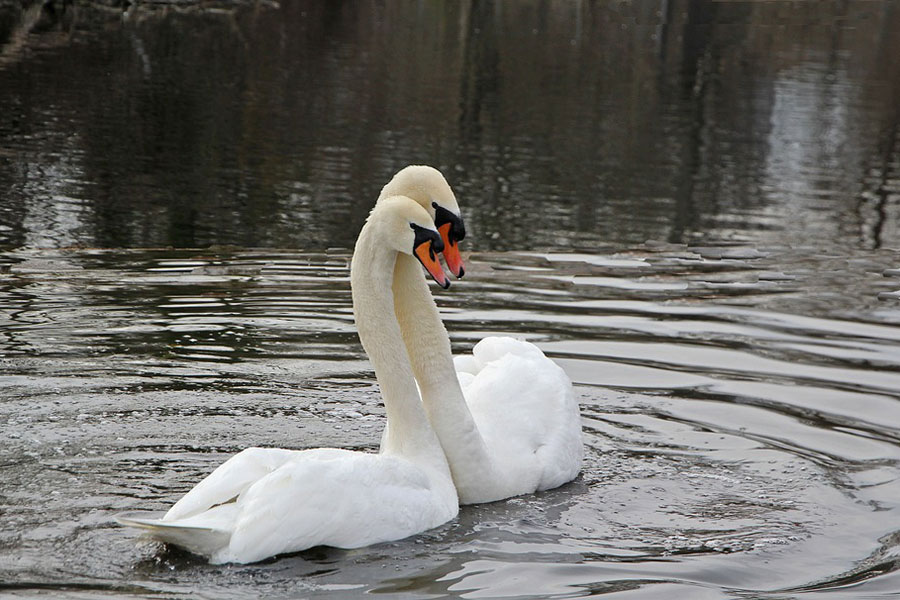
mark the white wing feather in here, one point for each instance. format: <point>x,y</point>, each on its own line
<point>525,408</point>
<point>280,501</point>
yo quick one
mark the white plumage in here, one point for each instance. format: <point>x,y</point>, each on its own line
<point>279,501</point>
<point>524,406</point>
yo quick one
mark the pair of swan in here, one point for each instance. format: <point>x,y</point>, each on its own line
<point>498,423</point>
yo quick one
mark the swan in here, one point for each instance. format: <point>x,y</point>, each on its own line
<point>506,415</point>
<point>268,501</point>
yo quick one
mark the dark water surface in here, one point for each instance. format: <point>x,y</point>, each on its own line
<point>693,207</point>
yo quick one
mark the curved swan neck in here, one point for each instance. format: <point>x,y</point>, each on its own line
<point>371,269</point>
<point>430,355</point>
<point>424,334</point>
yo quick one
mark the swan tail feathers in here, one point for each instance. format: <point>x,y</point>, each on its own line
<point>205,540</point>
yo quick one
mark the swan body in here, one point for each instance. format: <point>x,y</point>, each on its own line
<point>525,409</point>
<point>506,415</point>
<point>286,501</point>
<point>264,502</point>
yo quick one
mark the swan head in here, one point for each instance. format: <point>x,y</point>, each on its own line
<point>411,230</point>
<point>428,187</point>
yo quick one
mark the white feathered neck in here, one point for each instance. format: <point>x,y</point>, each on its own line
<point>371,273</point>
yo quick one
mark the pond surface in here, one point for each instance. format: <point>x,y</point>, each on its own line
<point>693,207</point>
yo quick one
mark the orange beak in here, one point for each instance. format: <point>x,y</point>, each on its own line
<point>451,252</point>
<point>425,253</point>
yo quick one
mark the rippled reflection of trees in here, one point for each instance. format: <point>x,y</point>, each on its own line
<point>560,124</point>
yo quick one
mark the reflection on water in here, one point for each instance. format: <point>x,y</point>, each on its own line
<point>560,125</point>
<point>740,407</point>
<point>694,207</point>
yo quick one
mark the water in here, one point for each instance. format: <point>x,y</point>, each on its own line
<point>734,446</point>
<point>693,208</point>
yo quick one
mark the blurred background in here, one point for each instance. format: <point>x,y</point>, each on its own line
<point>560,124</point>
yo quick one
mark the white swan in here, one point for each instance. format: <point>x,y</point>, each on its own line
<point>264,502</point>
<point>508,421</point>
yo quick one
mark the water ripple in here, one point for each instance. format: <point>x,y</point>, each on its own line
<point>726,427</point>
